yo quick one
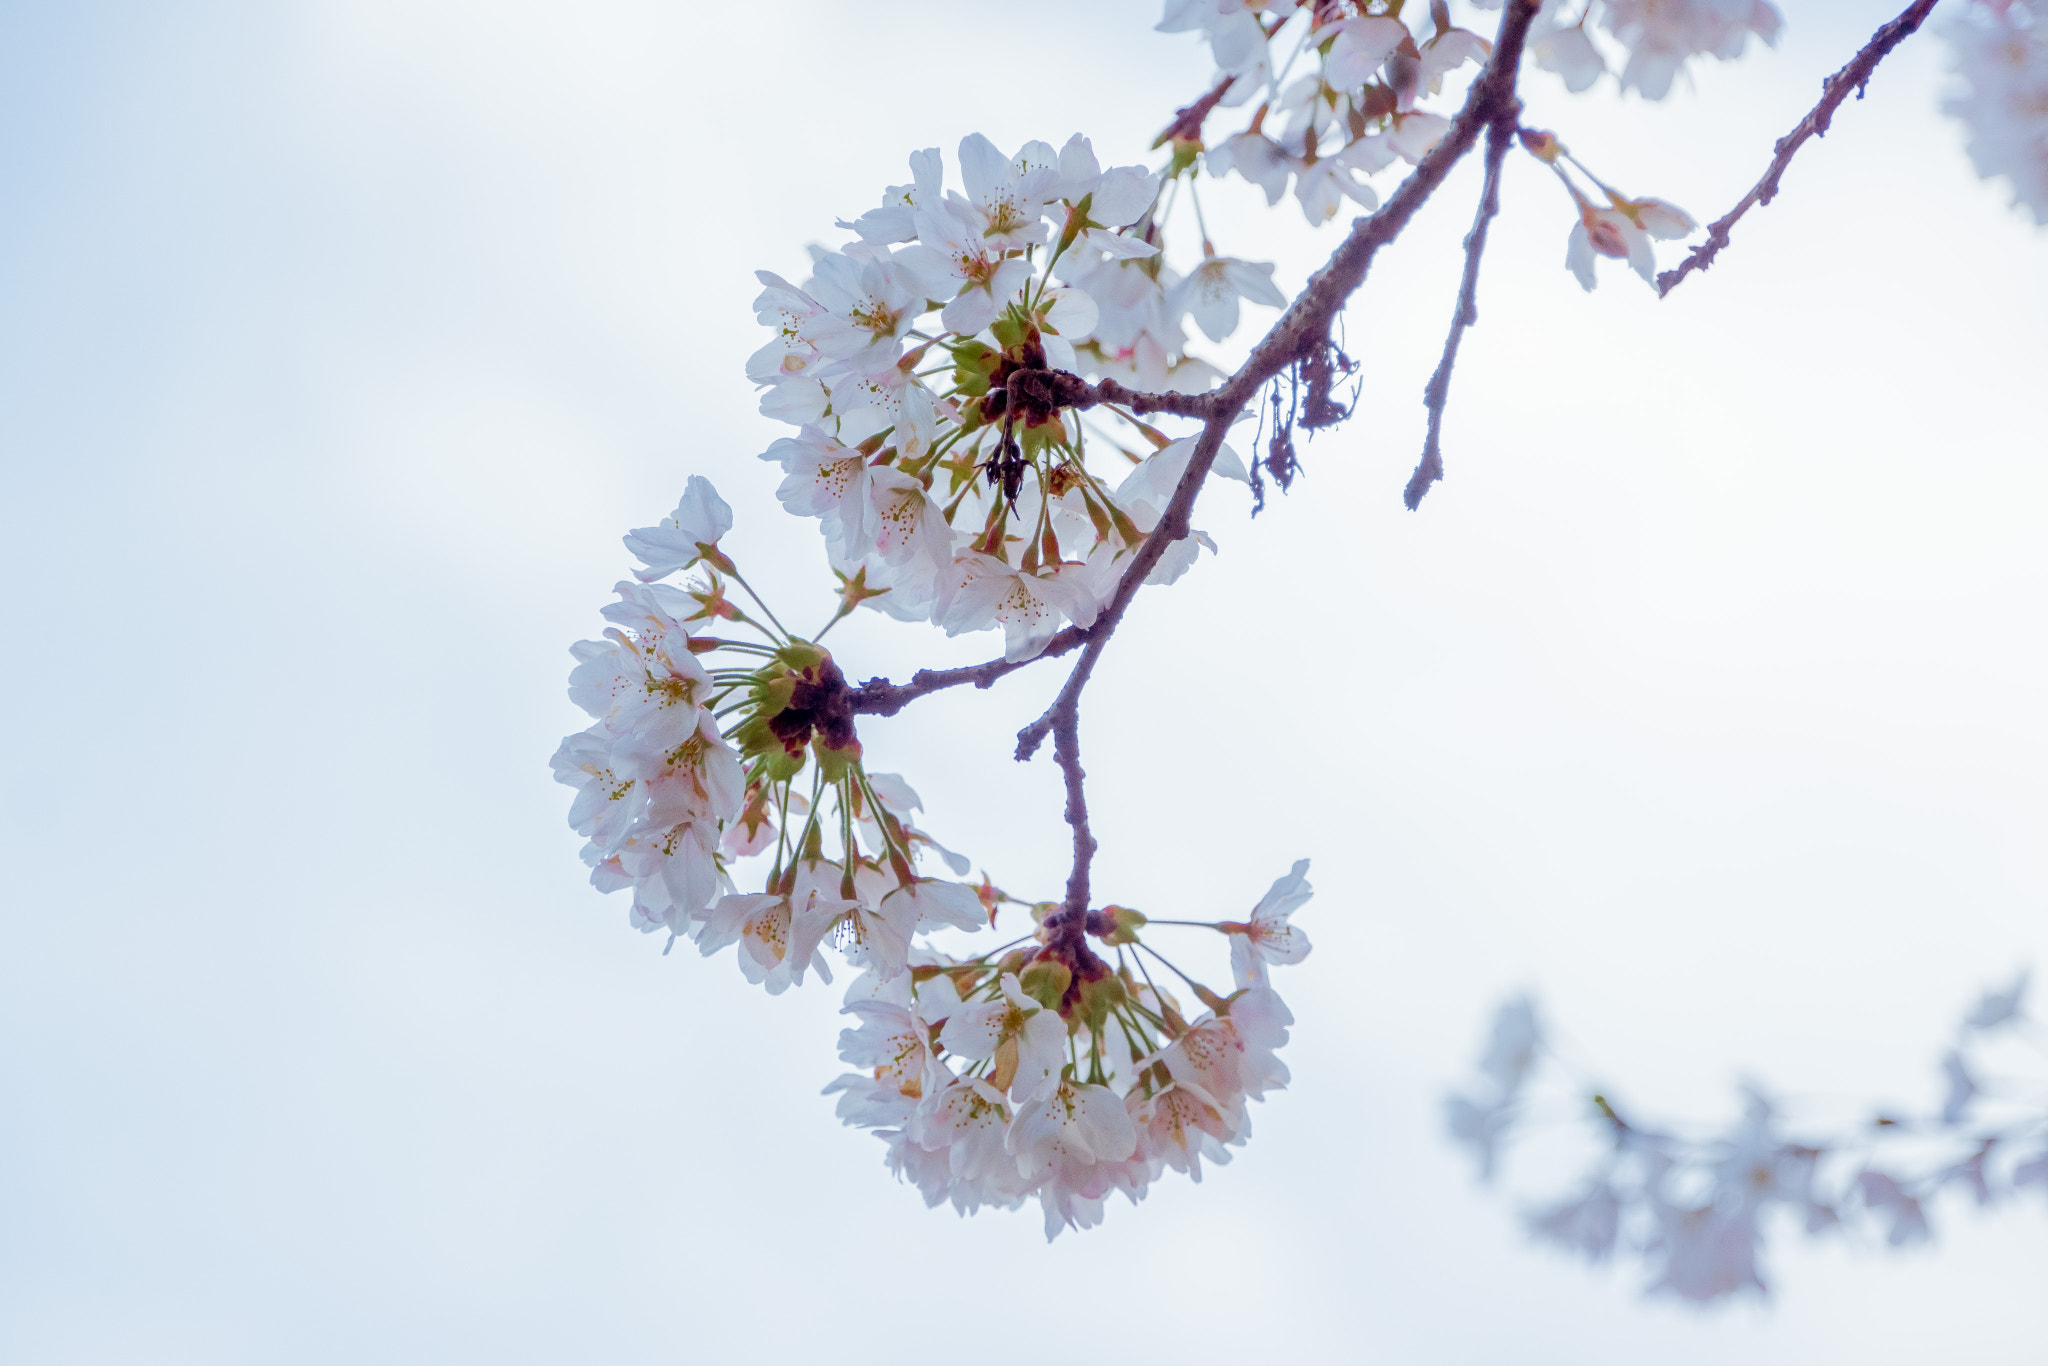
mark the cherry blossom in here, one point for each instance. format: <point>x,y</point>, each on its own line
<point>1265,936</point>
<point>993,404</point>
<point>1662,35</point>
<point>683,537</point>
<point>2000,52</point>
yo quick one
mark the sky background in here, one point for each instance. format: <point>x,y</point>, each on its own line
<point>339,343</point>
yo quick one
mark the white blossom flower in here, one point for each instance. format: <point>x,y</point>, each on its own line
<point>829,480</point>
<point>1707,1252</point>
<point>778,940</point>
<point>1258,159</point>
<point>871,928</point>
<point>1266,936</point>
<point>1180,1124</point>
<point>1883,1192</point>
<point>1061,1138</point>
<point>1415,133</point>
<point>1450,49</point>
<point>956,259</point>
<point>1567,51</point>
<point>1962,1087</point>
<point>1479,1127</point>
<point>679,539</point>
<point>896,219</point>
<point>869,305</point>
<point>1995,1008</point>
<point>1008,194</point>
<point>1586,1224</point>
<point>1322,184</point>
<point>795,316</point>
<point>1236,38</point>
<point>1511,1049</point>
<point>1029,607</point>
<point>1662,35</point>
<point>1362,46</point>
<point>1210,292</point>
<point>1027,1041</point>
<point>967,1121</point>
<point>893,1043</point>
<point>1116,198</point>
<point>1623,231</point>
<point>2001,53</point>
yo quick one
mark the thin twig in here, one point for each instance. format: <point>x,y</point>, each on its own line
<point>1304,329</point>
<point>1855,76</point>
<point>1066,749</point>
<point>880,697</point>
<point>1188,119</point>
<point>1499,135</point>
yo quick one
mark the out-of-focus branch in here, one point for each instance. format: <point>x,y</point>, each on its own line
<point>1855,76</point>
<point>1499,135</point>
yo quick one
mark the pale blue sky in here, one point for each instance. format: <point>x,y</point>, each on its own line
<point>340,342</point>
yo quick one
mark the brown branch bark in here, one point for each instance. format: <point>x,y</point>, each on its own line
<point>1189,118</point>
<point>1304,329</point>
<point>1855,76</point>
<point>880,697</point>
<point>1499,136</point>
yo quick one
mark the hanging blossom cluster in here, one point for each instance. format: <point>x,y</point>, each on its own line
<point>1336,84</point>
<point>2000,50</point>
<point>1053,1067</point>
<point>1339,92</point>
<point>931,367</point>
<point>968,378</point>
<point>1698,1209</point>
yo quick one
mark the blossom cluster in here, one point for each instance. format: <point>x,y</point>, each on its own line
<point>1339,87</point>
<point>1043,1068</point>
<point>1058,1074</point>
<point>930,366</point>
<point>2000,50</point>
<point>1698,1210</point>
<point>967,377</point>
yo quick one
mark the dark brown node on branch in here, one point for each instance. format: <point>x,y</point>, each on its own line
<point>819,702</point>
<point>1066,942</point>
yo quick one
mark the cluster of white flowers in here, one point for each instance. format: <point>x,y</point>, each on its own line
<point>946,465</point>
<point>671,789</point>
<point>1041,1068</point>
<point>657,786</point>
<point>1698,1210</point>
<point>2001,53</point>
<point>1334,87</point>
<point>964,470</point>
<point>1050,1074</point>
<point>1353,109</point>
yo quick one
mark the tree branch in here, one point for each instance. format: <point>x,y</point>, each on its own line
<point>1308,320</point>
<point>1066,751</point>
<point>1188,119</point>
<point>1301,329</point>
<point>1855,76</point>
<point>1430,468</point>
<point>880,697</point>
